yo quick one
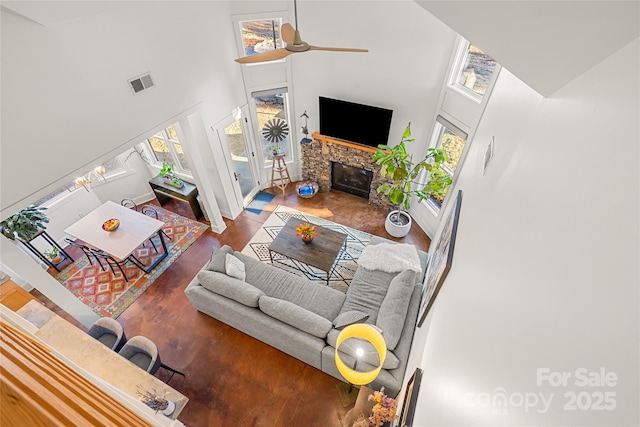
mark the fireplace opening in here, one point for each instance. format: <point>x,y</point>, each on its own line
<point>351,179</point>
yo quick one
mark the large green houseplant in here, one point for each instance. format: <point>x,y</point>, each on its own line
<point>397,164</point>
<point>25,224</point>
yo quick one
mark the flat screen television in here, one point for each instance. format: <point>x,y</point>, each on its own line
<point>362,124</point>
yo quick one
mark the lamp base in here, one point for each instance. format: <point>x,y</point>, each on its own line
<point>348,394</point>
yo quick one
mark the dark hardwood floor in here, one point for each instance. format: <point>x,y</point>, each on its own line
<point>231,378</point>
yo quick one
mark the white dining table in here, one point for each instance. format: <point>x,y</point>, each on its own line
<point>135,228</point>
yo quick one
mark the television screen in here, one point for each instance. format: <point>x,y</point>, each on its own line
<point>362,124</point>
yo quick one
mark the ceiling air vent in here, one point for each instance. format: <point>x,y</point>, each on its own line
<point>140,83</point>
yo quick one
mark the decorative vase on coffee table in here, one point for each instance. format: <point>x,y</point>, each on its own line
<point>307,239</point>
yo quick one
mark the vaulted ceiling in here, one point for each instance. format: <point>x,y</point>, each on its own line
<point>546,44</point>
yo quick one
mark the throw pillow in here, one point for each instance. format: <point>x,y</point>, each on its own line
<point>234,267</point>
<point>227,286</point>
<point>218,259</point>
<point>349,318</point>
<point>393,310</point>
<point>295,316</point>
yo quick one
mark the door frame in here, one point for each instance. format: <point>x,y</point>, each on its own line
<point>240,201</point>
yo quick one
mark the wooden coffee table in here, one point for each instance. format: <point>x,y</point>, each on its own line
<point>321,253</point>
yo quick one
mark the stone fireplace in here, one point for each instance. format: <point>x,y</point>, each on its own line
<point>319,157</point>
<point>351,179</point>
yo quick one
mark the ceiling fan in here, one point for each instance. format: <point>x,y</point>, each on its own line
<point>291,36</point>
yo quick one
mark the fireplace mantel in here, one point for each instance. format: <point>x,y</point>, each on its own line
<point>327,139</point>
<point>318,155</point>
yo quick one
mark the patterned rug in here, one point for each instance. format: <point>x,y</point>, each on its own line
<point>347,259</point>
<point>110,294</point>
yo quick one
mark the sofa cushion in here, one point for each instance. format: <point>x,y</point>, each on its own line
<point>218,259</point>
<point>230,287</point>
<point>315,297</point>
<point>295,316</point>
<point>234,267</point>
<point>366,292</point>
<point>393,309</point>
<point>349,318</point>
<point>370,355</point>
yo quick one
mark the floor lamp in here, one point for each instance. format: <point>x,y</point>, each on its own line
<point>365,332</point>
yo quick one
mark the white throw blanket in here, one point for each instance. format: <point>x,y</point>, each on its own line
<point>390,258</point>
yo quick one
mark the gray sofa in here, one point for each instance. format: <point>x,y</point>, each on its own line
<point>302,318</point>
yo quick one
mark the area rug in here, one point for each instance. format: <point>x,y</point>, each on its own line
<point>260,202</point>
<point>109,294</point>
<point>347,261</point>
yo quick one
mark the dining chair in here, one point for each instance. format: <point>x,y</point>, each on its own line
<point>143,352</point>
<point>112,262</point>
<point>128,203</point>
<point>152,212</point>
<point>87,251</point>
<point>109,332</point>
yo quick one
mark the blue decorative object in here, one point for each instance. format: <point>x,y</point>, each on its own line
<point>260,202</point>
<point>307,189</point>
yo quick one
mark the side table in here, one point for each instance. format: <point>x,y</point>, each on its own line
<point>187,193</point>
<point>50,241</point>
<point>362,407</point>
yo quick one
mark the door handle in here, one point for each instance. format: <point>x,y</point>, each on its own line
<point>235,175</point>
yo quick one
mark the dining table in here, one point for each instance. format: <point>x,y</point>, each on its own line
<point>135,228</point>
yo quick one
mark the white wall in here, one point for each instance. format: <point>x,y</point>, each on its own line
<point>549,43</point>
<point>65,94</point>
<point>545,272</point>
<point>408,55</point>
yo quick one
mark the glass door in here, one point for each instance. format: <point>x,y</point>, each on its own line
<point>242,158</point>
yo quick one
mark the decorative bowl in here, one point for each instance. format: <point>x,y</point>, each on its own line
<point>111,224</point>
<point>307,189</point>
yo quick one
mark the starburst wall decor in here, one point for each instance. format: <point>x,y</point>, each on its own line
<point>275,130</point>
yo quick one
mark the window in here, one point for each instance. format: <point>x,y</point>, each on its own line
<point>111,167</point>
<point>448,136</point>
<point>260,35</point>
<point>472,71</point>
<point>165,147</point>
<point>273,118</point>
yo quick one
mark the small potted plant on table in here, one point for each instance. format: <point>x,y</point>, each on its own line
<point>156,402</point>
<point>54,255</point>
<point>168,175</point>
<point>307,232</point>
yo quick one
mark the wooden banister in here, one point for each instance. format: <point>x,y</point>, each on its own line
<point>39,389</point>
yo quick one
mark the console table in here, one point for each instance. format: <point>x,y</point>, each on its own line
<point>187,193</point>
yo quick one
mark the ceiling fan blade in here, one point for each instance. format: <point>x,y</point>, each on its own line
<point>271,55</point>
<point>338,49</point>
<point>288,33</point>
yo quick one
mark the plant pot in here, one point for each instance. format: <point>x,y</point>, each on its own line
<point>169,409</point>
<point>398,223</point>
<point>307,239</point>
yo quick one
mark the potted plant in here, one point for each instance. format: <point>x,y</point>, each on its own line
<point>307,232</point>
<point>397,164</point>
<point>54,255</point>
<point>25,224</point>
<point>168,176</point>
<point>166,172</point>
<point>276,149</point>
<point>156,402</point>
